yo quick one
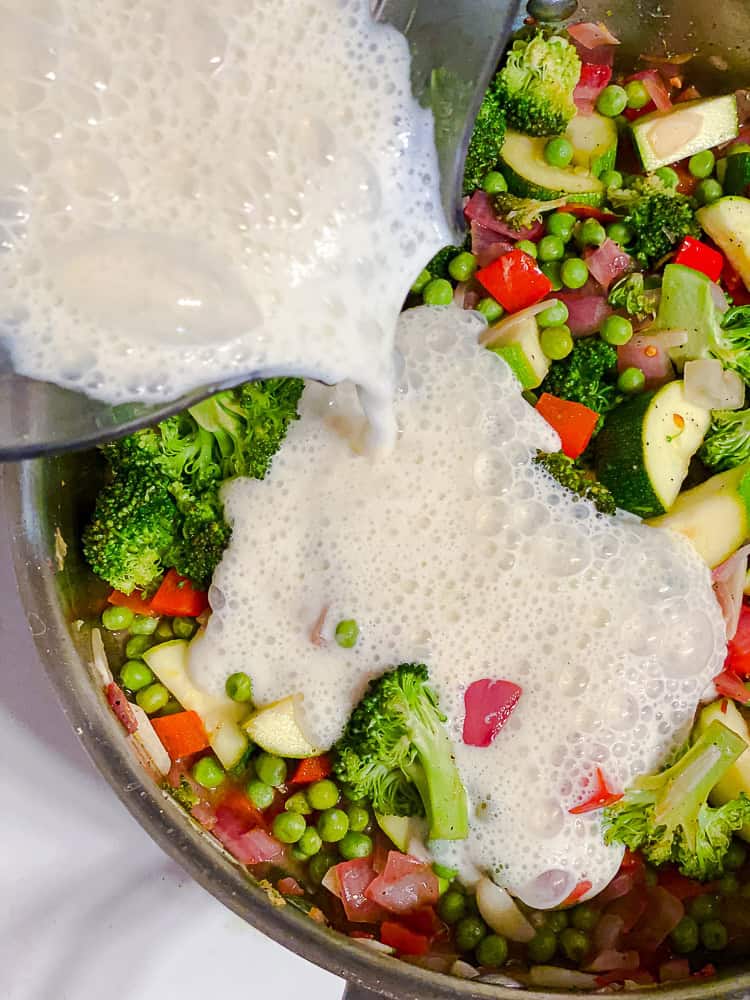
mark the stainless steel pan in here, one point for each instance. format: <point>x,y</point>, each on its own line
<point>47,501</point>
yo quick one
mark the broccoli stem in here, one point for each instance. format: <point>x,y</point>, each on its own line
<point>439,785</point>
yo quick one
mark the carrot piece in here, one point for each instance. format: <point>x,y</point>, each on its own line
<point>311,769</point>
<point>574,422</point>
<point>181,734</point>
<point>177,596</point>
<point>137,602</point>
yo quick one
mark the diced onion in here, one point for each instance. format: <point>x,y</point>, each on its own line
<point>377,946</point>
<point>499,910</point>
<point>555,977</point>
<point>707,384</point>
<point>145,736</point>
<point>99,659</point>
<point>493,333</point>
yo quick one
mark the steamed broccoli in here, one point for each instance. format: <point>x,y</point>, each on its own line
<point>202,533</point>
<point>631,295</point>
<point>573,477</point>
<point>395,752</point>
<point>658,215</point>
<point>438,266</point>
<point>586,376</point>
<point>486,142</point>
<point>536,84</point>
<point>523,213</point>
<point>667,816</point>
<point>731,341</point>
<point>727,443</point>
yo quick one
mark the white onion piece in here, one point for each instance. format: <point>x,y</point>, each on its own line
<point>501,913</point>
<point>555,977</point>
<point>729,583</point>
<point>707,384</point>
<point>462,970</point>
<point>493,333</point>
<point>377,946</point>
<point>331,882</point>
<point>99,659</point>
<point>145,736</point>
<point>720,299</point>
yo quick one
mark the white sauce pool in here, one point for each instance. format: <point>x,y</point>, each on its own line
<point>456,550</point>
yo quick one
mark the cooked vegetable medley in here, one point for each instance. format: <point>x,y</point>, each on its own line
<point>608,250</point>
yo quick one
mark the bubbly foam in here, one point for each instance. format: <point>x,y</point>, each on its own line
<point>458,551</point>
<point>190,192</point>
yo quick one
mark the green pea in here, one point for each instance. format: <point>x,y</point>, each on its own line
<point>319,864</point>
<point>355,845</point>
<point>668,176</point>
<point>574,272</point>
<point>612,101</point>
<point>558,152</point>
<point>714,935</point>
<point>612,179</point>
<point>323,794</point>
<point>135,675</point>
<point>528,247</point>
<point>114,619</point>
<point>260,794</point>
<point>184,628</point>
<point>553,316</point>
<point>438,292</point>
<point>560,224</point>
<point>703,908</point>
<point>556,342</point>
<point>543,946</point>
<point>584,917</point>
<point>137,646</point>
<point>735,857</point>
<point>298,803</point>
<point>637,95</point>
<point>442,871</point>
<point>270,769</point>
<point>164,629</point>
<point>492,951</point>
<point>452,906</point>
<point>333,825</point>
<point>708,191</point>
<point>359,818</point>
<point>738,147</point>
<point>490,309</point>
<point>462,267</point>
<point>208,772</point>
<point>423,278</point>
<point>616,330</point>
<point>592,233</point>
<point>729,885</point>
<point>556,921</point>
<point>171,708</point>
<point>144,625</point>
<point>631,381</point>
<point>550,248</point>
<point>239,687</point>
<point>620,233</point>
<point>469,932</point>
<point>288,827</point>
<point>702,164</point>
<point>152,698</point>
<point>575,944</point>
<point>551,270</point>
<point>685,937</point>
<point>347,631</point>
<point>622,123</point>
<point>494,182</point>
<point>309,843</point>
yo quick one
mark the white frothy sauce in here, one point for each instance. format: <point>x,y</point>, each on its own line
<point>190,192</point>
<point>456,550</point>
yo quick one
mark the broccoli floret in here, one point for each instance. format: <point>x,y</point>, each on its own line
<point>522,213</point>
<point>203,534</point>
<point>571,475</point>
<point>140,449</point>
<point>586,376</point>
<point>667,816</point>
<point>395,752</point>
<point>486,142</point>
<point>536,84</point>
<point>658,215</point>
<point>631,295</point>
<point>184,794</point>
<point>438,266</point>
<point>727,443</point>
<point>731,342</point>
<point>132,530</point>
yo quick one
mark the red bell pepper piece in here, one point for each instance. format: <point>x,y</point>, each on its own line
<point>601,797</point>
<point>121,707</point>
<point>699,256</point>
<point>578,893</point>
<point>137,602</point>
<point>738,647</point>
<point>515,281</point>
<point>574,422</point>
<point>178,597</point>
<point>488,704</point>
<point>729,684</point>
<point>181,734</point>
<point>311,769</point>
<point>242,808</point>
<point>405,942</point>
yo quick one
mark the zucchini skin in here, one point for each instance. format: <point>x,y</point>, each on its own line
<point>620,458</point>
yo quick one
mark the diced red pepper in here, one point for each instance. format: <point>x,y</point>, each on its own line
<point>574,422</point>
<point>488,706</point>
<point>589,212</point>
<point>515,281</point>
<point>578,893</point>
<point>601,796</point>
<point>137,602</point>
<point>121,707</point>
<point>181,734</point>
<point>178,597</point>
<point>730,685</point>
<point>738,647</point>
<point>311,769</point>
<point>405,942</point>
<point>681,886</point>
<point>700,257</point>
<point>242,809</point>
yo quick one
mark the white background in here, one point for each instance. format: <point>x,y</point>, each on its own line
<point>90,907</point>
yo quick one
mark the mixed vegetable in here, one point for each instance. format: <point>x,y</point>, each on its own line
<point>609,252</point>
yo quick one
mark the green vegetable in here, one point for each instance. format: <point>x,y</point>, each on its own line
<point>631,295</point>
<point>543,946</point>
<point>491,310</point>
<point>323,794</point>
<point>115,619</point>
<point>288,827</point>
<point>239,687</point>
<point>685,937</point>
<point>657,214</point>
<point>636,94</point>
<point>164,630</point>
<point>560,224</point>
<point>537,82</point>
<point>208,772</point>
<point>492,951</point>
<point>556,921</point>
<point>135,675</point>
<point>555,315</point>
<point>586,376</point>
<point>270,769</point>
<point>731,341</point>
<point>494,183</point>
<point>452,906</point>
<point>612,178</point>
<point>556,341</point>
<point>574,272</point>
<point>440,263</point>
<point>144,625</point>
<point>714,935</point>
<point>528,247</point>
<point>702,164</point>
<point>591,233</point>
<point>612,101</point>
<point>727,443</point>
<point>620,233</point>
<point>152,698</point>
<point>298,803</point>
<point>705,907</point>
<point>669,177</point>
<point>438,292</point>
<point>486,142</point>
<point>735,857</point>
<point>575,944</point>
<point>667,816</point>
<point>422,279</point>
<point>522,213</point>
<point>558,152</point>
<point>319,864</point>
<point>463,266</point>
<point>708,191</point>
<point>359,818</point>
<point>584,917</point>
<point>576,479</point>
<point>347,633</point>
<point>631,381</point>
<point>333,825</point>
<point>551,248</point>
<point>469,932</point>
<point>310,843</point>
<point>137,646</point>
<point>616,331</point>
<point>260,794</point>
<point>184,628</point>
<point>552,270</point>
<point>184,794</point>
<point>355,845</point>
<point>396,752</point>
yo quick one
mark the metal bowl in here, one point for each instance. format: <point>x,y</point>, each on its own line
<point>48,500</point>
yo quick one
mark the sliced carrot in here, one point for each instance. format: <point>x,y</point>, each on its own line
<point>182,733</point>
<point>177,596</point>
<point>311,769</point>
<point>137,602</point>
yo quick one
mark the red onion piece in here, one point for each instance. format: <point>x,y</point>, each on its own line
<point>650,353</point>
<point>729,584</point>
<point>586,313</point>
<point>654,84</point>
<point>662,914</point>
<point>608,263</point>
<point>592,81</point>
<point>592,34</point>
<point>489,704</point>
<point>405,885</point>
<point>620,885</point>
<point>612,960</point>
<point>479,209</point>
<point>674,970</point>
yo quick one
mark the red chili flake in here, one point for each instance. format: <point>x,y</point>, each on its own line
<point>578,893</point>
<point>601,797</point>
